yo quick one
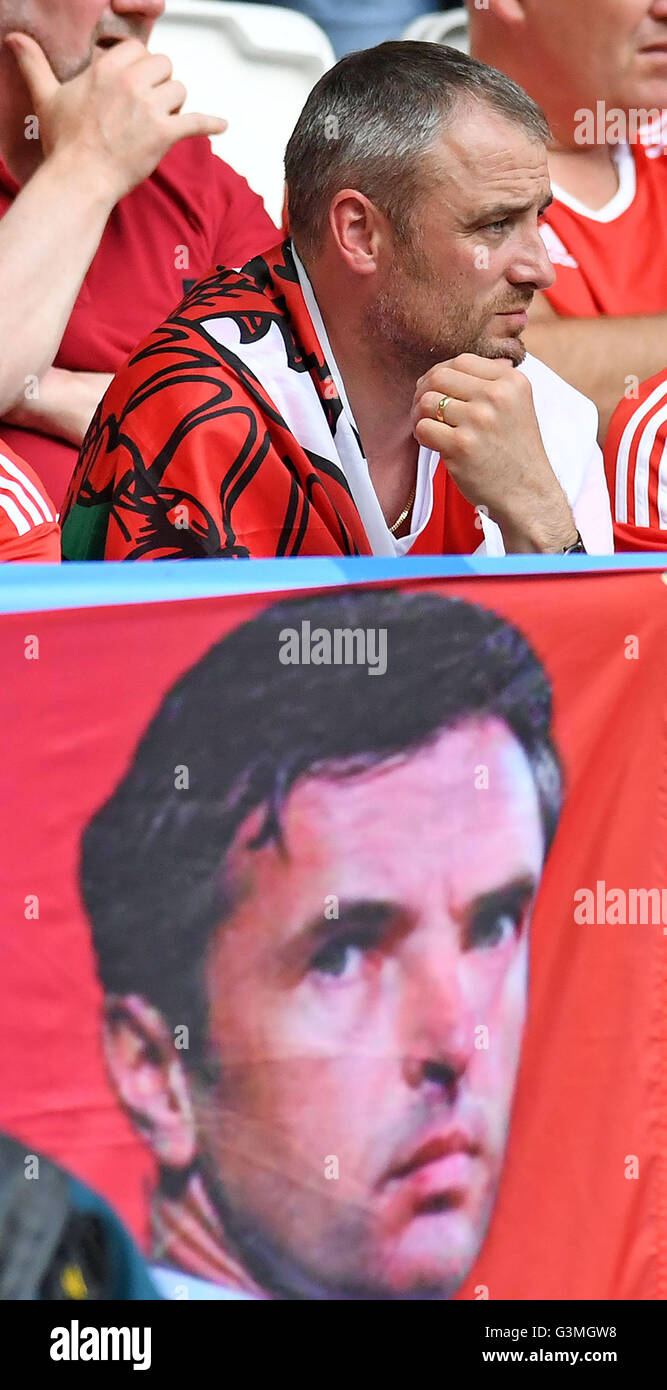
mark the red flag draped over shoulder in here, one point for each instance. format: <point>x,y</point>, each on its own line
<point>189,455</point>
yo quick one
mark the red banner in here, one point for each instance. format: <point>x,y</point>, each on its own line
<point>289,891</point>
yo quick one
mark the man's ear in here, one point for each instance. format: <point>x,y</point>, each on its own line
<point>359,230</point>
<point>149,1078</point>
<point>506,11</point>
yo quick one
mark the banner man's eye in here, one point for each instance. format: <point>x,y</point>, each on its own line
<point>492,929</point>
<point>342,957</point>
<point>498,920</point>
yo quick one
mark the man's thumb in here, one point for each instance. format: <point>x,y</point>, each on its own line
<point>34,65</point>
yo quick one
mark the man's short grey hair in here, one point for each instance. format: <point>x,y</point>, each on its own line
<point>371,119</point>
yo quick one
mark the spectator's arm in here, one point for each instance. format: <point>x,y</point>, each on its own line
<point>39,546</point>
<point>29,529</point>
<point>102,133</point>
<point>64,406</point>
<point>597,355</point>
<point>57,221</point>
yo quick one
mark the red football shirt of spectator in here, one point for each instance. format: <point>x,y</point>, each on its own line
<point>612,261</point>
<point>635,457</point>
<point>193,212</point>
<point>29,528</point>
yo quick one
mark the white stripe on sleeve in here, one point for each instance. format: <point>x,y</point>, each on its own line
<point>15,516</point>
<point>28,487</point>
<point>624,449</point>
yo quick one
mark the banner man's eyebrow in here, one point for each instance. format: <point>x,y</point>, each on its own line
<point>513,898</point>
<point>365,915</point>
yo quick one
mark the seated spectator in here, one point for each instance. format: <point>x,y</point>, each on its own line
<point>131,208</point>
<point>636,463</point>
<point>29,527</point>
<point>304,405</point>
<point>599,70</point>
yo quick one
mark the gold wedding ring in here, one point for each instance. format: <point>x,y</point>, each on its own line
<point>442,406</point>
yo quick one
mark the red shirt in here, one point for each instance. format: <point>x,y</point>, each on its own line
<point>28,527</point>
<point>636,465</point>
<point>613,261</point>
<point>192,212</point>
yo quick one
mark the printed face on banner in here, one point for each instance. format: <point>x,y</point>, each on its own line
<point>319,1038</point>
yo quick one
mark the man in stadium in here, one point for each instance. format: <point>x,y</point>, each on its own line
<point>140,208</point>
<point>310,899</point>
<point>599,70</point>
<point>354,391</point>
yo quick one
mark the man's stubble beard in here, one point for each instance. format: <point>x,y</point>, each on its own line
<point>70,68</point>
<point>398,332</point>
<point>17,17</point>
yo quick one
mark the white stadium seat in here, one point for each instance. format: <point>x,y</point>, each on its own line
<point>450,28</point>
<point>252,64</point>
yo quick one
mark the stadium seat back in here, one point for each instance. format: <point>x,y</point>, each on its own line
<point>252,64</point>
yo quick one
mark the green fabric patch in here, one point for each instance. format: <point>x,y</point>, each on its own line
<point>84,532</point>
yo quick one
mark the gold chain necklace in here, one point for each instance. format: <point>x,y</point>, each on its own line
<point>405,513</point>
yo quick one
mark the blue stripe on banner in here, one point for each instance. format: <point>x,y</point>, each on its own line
<point>37,588</point>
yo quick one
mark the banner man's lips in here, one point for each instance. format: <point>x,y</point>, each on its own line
<point>430,1147</point>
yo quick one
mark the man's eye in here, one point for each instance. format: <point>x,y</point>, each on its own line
<point>497,226</point>
<point>491,929</point>
<point>340,959</point>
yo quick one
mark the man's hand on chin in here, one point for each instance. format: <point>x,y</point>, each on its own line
<point>491,444</point>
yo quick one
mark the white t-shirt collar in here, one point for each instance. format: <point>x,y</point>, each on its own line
<point>623,198</point>
<point>353,462</point>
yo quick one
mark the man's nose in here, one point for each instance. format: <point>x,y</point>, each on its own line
<point>146,9</point>
<point>438,1022</point>
<point>531,265</point>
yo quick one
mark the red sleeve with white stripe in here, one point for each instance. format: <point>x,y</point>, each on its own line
<point>29,529</point>
<point>636,465</point>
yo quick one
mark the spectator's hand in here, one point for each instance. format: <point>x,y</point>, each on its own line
<point>119,117</point>
<point>492,446</point>
<point>65,405</point>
